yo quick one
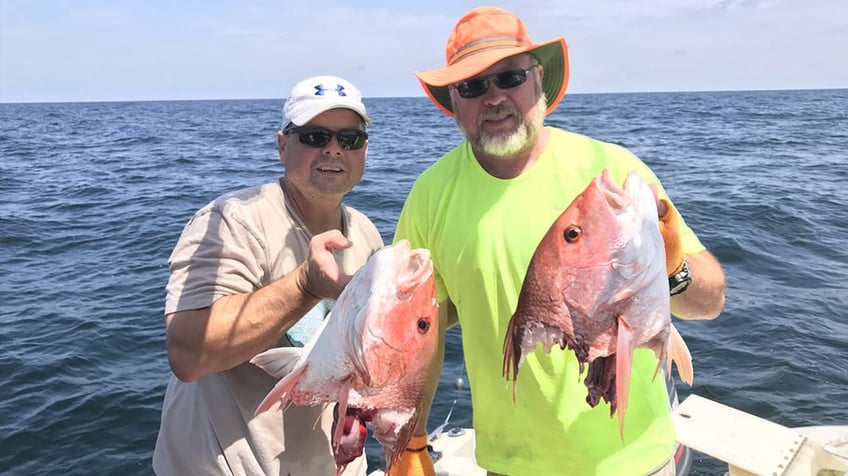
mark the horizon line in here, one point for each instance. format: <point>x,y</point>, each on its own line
<point>422,96</point>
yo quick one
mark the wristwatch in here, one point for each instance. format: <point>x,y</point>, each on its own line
<point>679,281</point>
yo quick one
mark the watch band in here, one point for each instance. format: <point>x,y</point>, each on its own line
<point>679,281</point>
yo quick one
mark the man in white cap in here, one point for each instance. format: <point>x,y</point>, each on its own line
<point>259,268</point>
<point>483,207</point>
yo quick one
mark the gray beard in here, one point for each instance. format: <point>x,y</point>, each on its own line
<point>518,141</point>
<point>500,146</point>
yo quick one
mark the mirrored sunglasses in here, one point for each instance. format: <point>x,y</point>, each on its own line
<point>476,87</point>
<point>313,136</point>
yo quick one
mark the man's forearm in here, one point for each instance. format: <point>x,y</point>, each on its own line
<point>234,328</point>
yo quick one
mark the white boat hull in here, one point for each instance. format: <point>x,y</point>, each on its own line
<point>750,445</point>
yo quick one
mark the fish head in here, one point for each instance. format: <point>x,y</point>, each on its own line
<point>396,331</point>
<point>603,250</point>
<point>606,226</point>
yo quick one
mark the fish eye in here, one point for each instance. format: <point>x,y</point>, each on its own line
<point>572,233</point>
<point>423,325</point>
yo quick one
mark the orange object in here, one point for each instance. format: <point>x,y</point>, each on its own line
<point>481,38</point>
<point>670,229</point>
<point>415,461</point>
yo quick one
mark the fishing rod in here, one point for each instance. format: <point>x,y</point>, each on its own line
<point>432,435</point>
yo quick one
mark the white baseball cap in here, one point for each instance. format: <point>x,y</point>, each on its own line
<point>317,94</point>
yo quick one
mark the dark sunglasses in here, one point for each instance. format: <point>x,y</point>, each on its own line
<point>476,87</point>
<point>313,136</point>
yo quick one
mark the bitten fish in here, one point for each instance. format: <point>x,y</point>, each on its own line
<point>597,284</point>
<point>371,355</point>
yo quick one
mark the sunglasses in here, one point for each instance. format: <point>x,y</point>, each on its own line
<point>313,136</point>
<point>477,87</point>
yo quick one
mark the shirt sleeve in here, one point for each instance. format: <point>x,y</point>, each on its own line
<point>215,256</point>
<point>413,225</point>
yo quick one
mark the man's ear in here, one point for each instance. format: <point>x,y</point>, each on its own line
<point>281,146</point>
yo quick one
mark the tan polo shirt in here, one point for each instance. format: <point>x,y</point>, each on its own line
<point>239,243</point>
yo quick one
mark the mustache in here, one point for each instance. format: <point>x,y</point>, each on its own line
<point>498,112</point>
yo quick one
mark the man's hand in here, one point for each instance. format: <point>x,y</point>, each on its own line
<point>320,275</point>
<point>670,230</point>
<point>415,460</point>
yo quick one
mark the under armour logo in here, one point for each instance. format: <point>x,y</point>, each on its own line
<point>320,89</point>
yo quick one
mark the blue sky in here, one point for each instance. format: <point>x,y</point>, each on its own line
<point>98,50</point>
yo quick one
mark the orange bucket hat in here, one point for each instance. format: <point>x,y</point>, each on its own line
<point>481,38</point>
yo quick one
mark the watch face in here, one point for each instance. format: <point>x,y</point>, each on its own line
<point>678,282</point>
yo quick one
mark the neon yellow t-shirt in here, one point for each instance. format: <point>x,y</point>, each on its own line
<point>482,232</point>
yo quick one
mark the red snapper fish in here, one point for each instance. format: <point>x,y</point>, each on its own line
<point>597,284</point>
<point>371,355</point>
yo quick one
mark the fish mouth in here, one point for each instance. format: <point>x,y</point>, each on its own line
<point>614,195</point>
<point>419,267</point>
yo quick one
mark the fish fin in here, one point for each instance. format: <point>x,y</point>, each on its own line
<point>623,363</point>
<point>661,351</point>
<point>511,360</point>
<point>679,353</point>
<point>278,361</point>
<point>280,392</point>
<point>341,412</point>
<point>404,436</point>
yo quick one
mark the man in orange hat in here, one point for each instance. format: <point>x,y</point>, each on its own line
<point>482,209</point>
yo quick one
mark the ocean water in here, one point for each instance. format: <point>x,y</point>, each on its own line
<point>94,195</point>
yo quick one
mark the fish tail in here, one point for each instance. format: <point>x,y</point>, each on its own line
<point>679,353</point>
<point>623,362</point>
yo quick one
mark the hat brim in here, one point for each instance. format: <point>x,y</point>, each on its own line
<point>308,113</point>
<point>552,55</point>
